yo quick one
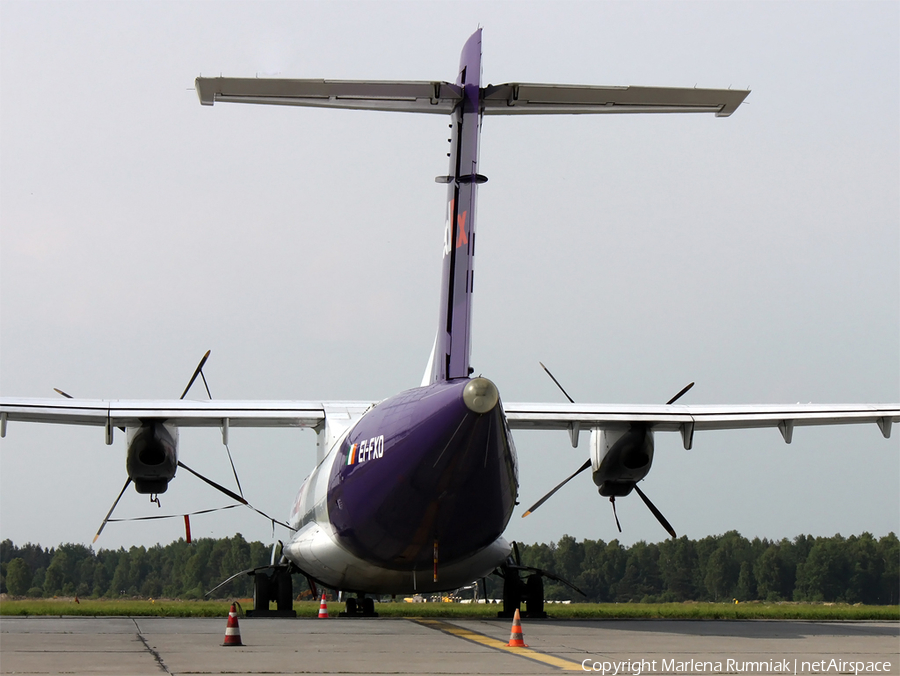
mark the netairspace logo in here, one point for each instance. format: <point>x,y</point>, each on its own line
<point>733,666</point>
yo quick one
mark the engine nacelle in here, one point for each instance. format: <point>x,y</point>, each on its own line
<point>620,458</point>
<point>152,456</point>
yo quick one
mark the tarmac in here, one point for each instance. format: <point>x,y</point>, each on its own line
<point>157,645</point>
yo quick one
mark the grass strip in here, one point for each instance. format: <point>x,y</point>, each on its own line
<point>595,611</point>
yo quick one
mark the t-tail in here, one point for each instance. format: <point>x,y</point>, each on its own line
<point>452,344</point>
<point>466,101</point>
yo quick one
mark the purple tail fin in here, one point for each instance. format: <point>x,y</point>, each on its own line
<point>452,344</point>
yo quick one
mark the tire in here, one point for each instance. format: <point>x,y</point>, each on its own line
<point>262,590</point>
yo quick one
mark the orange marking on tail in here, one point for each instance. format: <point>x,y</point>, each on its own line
<point>461,237</point>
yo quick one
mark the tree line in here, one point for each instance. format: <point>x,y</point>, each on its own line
<point>177,570</point>
<point>857,569</point>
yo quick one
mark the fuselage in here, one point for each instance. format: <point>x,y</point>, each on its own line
<point>414,497</point>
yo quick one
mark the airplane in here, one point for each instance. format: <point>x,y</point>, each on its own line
<point>412,494</point>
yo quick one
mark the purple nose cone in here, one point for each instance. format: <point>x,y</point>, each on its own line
<point>433,464</point>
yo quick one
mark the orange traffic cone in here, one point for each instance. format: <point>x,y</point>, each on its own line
<point>232,630</point>
<point>323,608</point>
<point>516,640</point>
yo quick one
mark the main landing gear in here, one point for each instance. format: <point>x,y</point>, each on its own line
<point>361,606</point>
<point>519,588</point>
<point>272,583</point>
<point>525,584</point>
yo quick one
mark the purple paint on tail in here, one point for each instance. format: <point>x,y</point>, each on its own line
<point>453,345</point>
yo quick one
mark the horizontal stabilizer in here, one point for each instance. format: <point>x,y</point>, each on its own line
<point>442,97</point>
<point>413,97</point>
<point>548,99</point>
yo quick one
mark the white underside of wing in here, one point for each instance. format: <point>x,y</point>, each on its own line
<point>674,417</point>
<point>711,417</point>
<point>178,412</point>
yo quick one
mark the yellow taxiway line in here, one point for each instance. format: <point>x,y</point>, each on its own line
<point>485,640</point>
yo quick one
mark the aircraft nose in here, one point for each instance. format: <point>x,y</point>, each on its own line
<point>480,395</point>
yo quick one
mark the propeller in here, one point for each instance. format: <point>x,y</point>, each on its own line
<point>653,509</point>
<point>234,496</point>
<point>109,513</point>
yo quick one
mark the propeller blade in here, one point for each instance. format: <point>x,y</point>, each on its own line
<point>516,556</point>
<point>544,499</point>
<point>612,500</point>
<point>230,494</point>
<point>571,401</point>
<point>69,396</point>
<point>109,513</point>
<point>233,470</point>
<point>656,512</point>
<point>197,372</point>
<point>234,496</point>
<point>205,384</point>
<point>680,394</point>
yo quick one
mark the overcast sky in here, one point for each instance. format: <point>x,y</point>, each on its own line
<point>758,255</point>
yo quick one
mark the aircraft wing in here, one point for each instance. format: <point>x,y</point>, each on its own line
<point>178,412</point>
<point>674,418</point>
<point>688,418</point>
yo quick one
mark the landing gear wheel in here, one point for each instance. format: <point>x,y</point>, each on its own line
<point>512,594</point>
<point>272,583</point>
<point>262,584</point>
<point>284,593</point>
<point>534,597</point>
<point>351,608</point>
<point>368,607</point>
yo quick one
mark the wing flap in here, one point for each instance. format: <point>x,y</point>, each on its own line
<point>548,99</point>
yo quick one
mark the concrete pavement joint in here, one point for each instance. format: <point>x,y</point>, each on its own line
<point>156,655</point>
